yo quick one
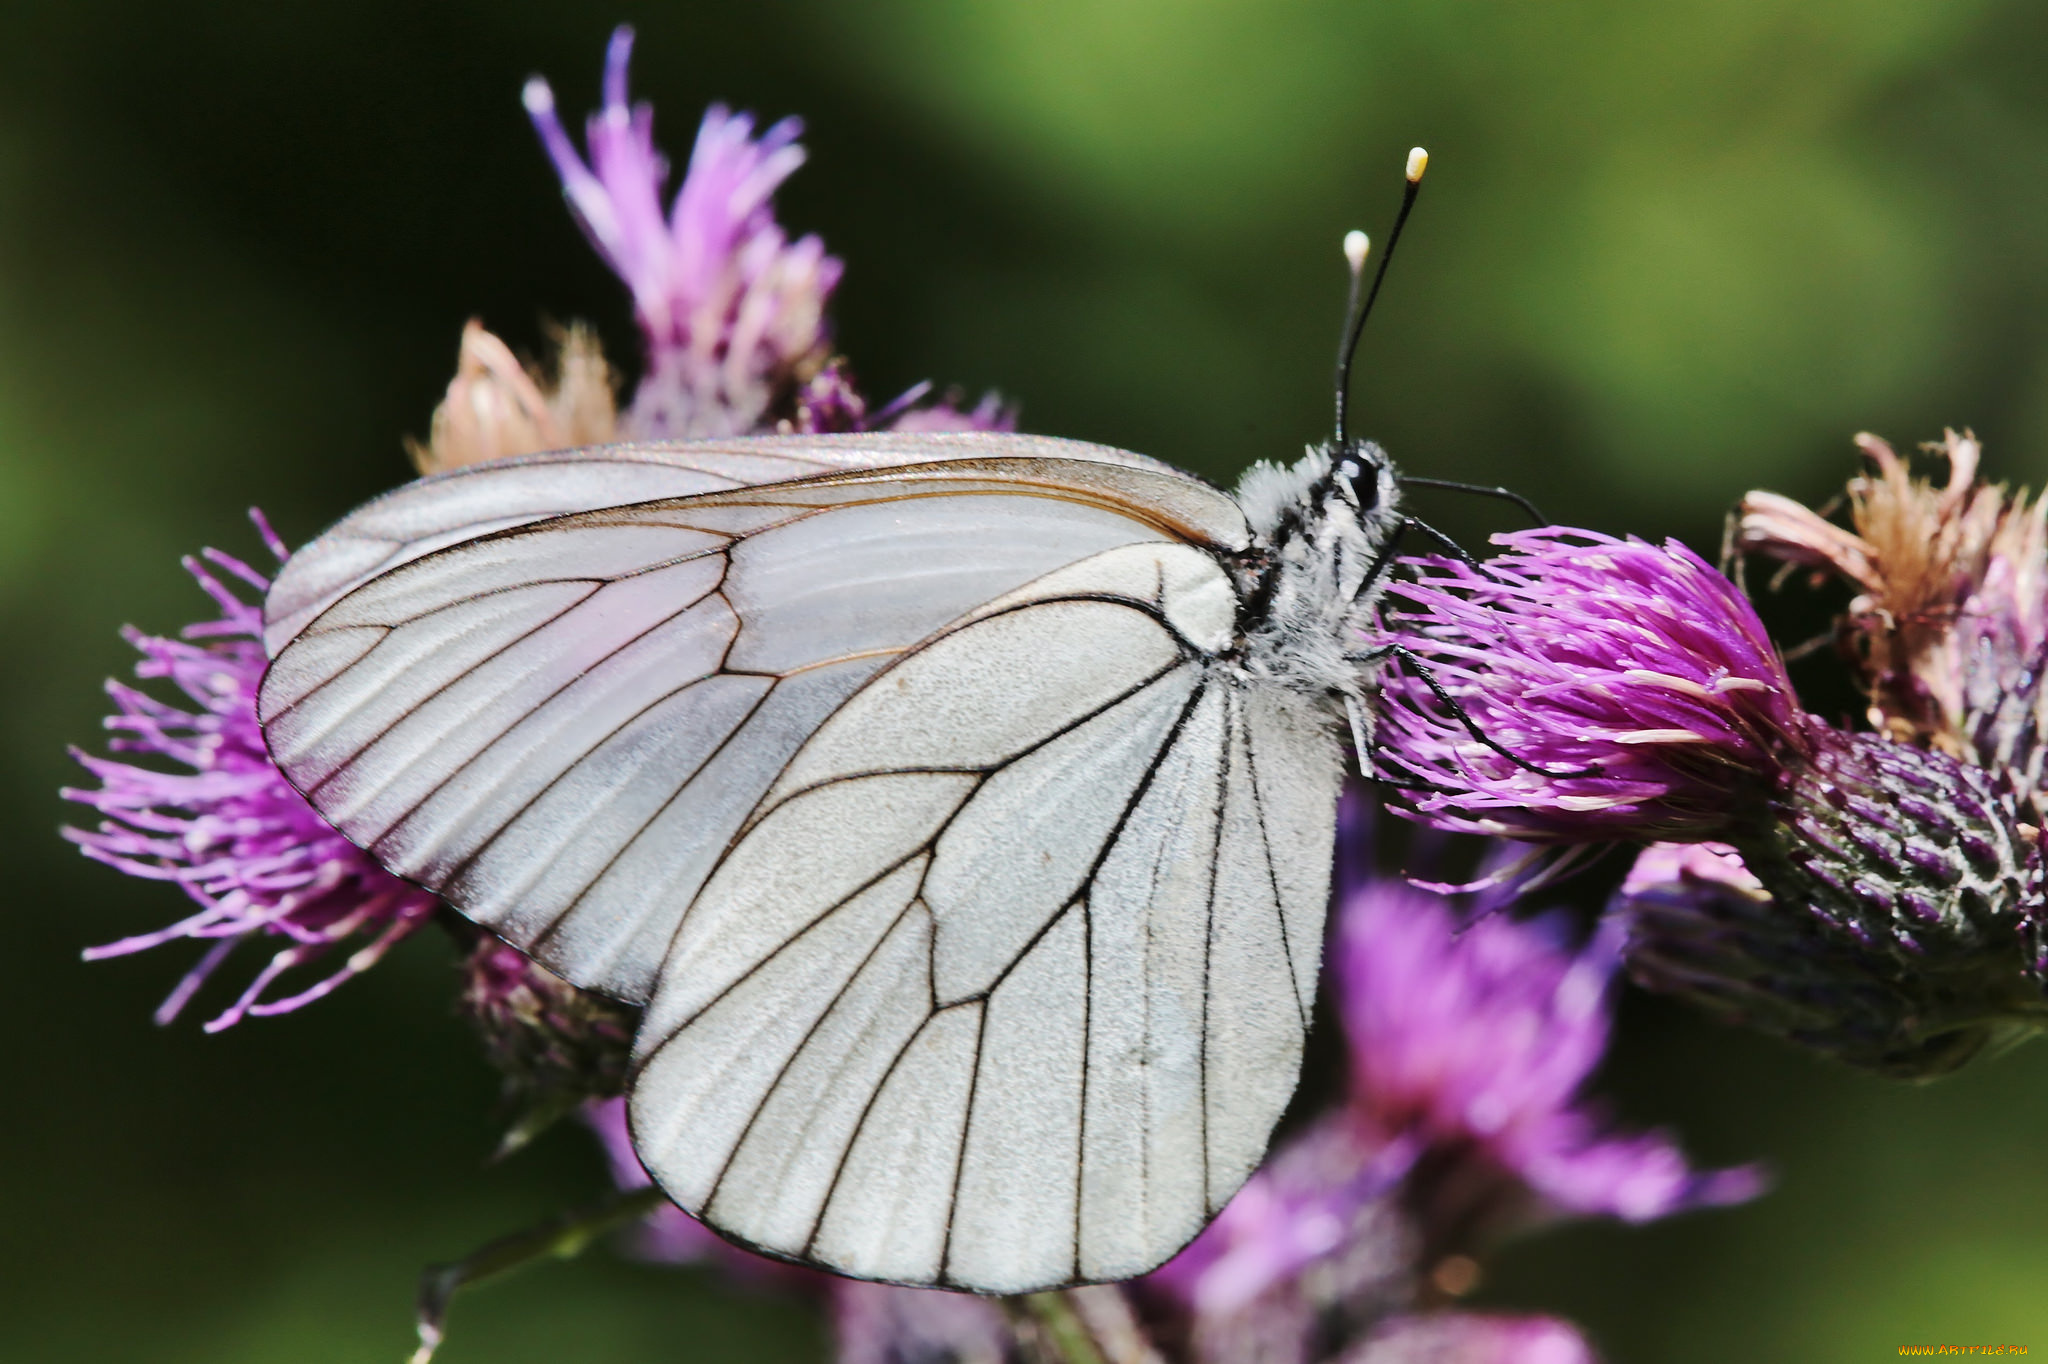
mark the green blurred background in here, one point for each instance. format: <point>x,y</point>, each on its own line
<point>1666,252</point>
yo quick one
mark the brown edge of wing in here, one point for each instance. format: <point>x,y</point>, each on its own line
<point>1188,510</point>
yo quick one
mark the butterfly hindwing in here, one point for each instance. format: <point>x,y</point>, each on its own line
<point>996,988</point>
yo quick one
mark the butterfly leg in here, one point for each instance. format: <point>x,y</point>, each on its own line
<point>1458,712</point>
<point>1355,713</point>
<point>1417,523</point>
<point>1391,550</point>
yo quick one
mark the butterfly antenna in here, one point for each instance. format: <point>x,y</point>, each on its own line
<point>1355,247</point>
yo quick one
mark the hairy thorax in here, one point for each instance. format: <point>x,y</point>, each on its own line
<point>1314,573</point>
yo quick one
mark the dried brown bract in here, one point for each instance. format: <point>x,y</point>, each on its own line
<point>1946,628</point>
<point>497,406</point>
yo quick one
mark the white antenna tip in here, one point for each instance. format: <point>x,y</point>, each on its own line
<point>1356,245</point>
<point>1418,162</point>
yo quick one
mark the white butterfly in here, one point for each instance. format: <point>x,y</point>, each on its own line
<point>960,807</point>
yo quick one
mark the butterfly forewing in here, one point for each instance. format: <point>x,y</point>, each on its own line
<point>975,889</point>
<point>560,727</point>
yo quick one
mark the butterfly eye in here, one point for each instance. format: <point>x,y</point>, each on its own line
<point>1359,479</point>
<point>1365,485</point>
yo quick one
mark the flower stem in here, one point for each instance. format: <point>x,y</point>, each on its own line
<point>1115,1328</point>
<point>560,1238</point>
<point>1050,1331</point>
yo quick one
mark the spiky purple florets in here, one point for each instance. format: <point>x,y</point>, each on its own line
<point>730,307</point>
<point>1480,1039</point>
<point>732,310</point>
<point>228,829</point>
<point>1470,1047</point>
<point>1635,675</point>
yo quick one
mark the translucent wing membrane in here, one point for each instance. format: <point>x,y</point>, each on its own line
<point>976,896</point>
<point>559,727</point>
<point>449,508</point>
<point>1006,983</point>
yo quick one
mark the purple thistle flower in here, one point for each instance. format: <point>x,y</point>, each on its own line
<point>1642,681</point>
<point>1472,1045</point>
<point>1465,1121</point>
<point>230,831</point>
<point>732,310</point>
<point>1635,664</point>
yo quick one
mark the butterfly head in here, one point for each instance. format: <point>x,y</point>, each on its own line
<point>1345,514</point>
<point>1338,512</point>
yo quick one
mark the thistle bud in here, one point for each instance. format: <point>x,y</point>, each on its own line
<point>1884,915</point>
<point>556,1045</point>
